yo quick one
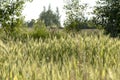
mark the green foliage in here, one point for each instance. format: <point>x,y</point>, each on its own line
<point>40,30</point>
<point>50,18</point>
<point>74,12</point>
<point>10,13</point>
<point>108,15</point>
<point>73,26</point>
<point>77,26</point>
<point>31,23</point>
<point>21,33</point>
<point>75,57</point>
<point>56,33</point>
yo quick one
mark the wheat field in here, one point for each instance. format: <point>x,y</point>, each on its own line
<point>71,57</point>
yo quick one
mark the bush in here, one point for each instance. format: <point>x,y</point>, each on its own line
<point>20,33</point>
<point>40,30</point>
<point>72,26</point>
<point>76,26</point>
<point>40,33</point>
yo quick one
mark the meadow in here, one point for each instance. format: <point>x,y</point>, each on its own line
<point>69,57</point>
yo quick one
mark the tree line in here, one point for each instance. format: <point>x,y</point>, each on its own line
<point>107,16</point>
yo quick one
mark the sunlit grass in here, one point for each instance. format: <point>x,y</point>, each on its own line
<point>71,57</point>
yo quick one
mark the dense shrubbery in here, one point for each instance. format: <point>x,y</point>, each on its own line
<point>39,30</point>
<point>40,33</point>
<point>108,16</point>
<point>78,25</point>
<point>73,26</point>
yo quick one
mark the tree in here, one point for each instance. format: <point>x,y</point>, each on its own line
<point>49,17</point>
<point>108,16</point>
<point>31,23</point>
<point>10,13</point>
<point>74,12</point>
<point>57,18</point>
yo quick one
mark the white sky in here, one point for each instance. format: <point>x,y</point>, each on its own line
<point>32,10</point>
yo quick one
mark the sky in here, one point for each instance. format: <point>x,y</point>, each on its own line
<point>32,10</point>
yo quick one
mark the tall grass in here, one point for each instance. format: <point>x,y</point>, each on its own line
<point>71,57</point>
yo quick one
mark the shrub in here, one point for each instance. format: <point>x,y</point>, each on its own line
<point>76,26</point>
<point>40,30</point>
